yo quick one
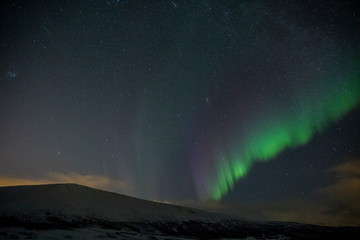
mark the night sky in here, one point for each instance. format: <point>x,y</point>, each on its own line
<point>243,107</point>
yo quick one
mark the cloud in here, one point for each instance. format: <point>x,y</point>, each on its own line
<point>344,194</point>
<point>350,168</point>
<point>9,181</point>
<point>95,181</point>
<point>335,205</point>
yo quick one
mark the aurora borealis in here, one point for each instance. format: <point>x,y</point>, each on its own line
<point>214,104</point>
<point>292,129</point>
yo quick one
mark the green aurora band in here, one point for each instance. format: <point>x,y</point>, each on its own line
<point>313,112</point>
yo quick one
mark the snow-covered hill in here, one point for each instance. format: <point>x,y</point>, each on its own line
<point>65,211</point>
<point>74,200</point>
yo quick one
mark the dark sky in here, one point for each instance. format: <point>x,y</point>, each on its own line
<point>247,107</point>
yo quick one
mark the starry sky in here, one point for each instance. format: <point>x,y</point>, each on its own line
<point>242,107</point>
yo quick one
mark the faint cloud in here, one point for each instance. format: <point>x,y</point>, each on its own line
<point>94,181</point>
<point>335,205</point>
<point>350,168</point>
<point>8,181</point>
<point>344,194</point>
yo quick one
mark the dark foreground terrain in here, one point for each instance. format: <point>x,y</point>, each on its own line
<point>57,228</point>
<point>68,211</point>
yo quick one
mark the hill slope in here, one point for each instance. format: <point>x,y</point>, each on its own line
<point>61,211</point>
<point>76,200</point>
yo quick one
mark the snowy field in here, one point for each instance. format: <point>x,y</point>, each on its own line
<point>93,233</point>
